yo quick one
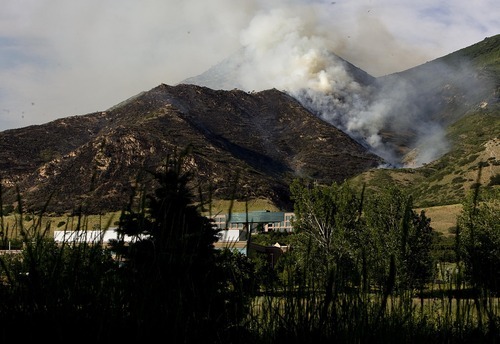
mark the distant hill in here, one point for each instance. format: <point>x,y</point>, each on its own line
<point>441,92</point>
<point>473,158</point>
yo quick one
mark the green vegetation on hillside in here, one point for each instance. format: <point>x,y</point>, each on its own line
<point>471,131</point>
<point>448,180</point>
<point>485,54</point>
<point>475,153</point>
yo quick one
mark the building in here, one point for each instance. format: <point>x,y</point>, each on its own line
<point>264,221</point>
<point>102,237</point>
<point>234,231</point>
<point>236,227</point>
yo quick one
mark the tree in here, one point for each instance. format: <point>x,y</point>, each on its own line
<point>479,240</point>
<point>417,258</point>
<point>398,232</point>
<point>329,216</point>
<point>177,280</point>
<point>360,240</point>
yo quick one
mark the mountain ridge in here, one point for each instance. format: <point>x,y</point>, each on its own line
<point>257,141</point>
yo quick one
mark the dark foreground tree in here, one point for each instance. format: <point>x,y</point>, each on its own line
<point>178,285</point>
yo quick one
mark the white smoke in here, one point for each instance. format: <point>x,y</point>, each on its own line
<point>286,50</point>
<point>106,53</point>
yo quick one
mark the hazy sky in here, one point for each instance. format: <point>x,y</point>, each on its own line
<point>60,58</point>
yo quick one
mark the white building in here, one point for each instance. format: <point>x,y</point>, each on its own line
<point>96,236</point>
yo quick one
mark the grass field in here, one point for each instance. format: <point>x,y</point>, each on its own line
<point>443,217</point>
<point>12,223</point>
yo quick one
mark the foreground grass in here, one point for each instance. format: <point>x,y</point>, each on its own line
<point>362,318</point>
<point>72,287</point>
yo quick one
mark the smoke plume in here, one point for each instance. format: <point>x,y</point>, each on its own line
<point>109,51</point>
<point>287,49</point>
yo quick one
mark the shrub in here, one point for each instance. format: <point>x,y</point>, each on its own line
<point>494,180</point>
<point>458,180</point>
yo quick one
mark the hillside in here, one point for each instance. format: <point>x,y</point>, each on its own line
<point>402,117</point>
<point>427,99</point>
<point>448,180</point>
<point>468,110</point>
<point>244,145</point>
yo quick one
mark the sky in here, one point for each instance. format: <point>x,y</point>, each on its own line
<point>61,58</point>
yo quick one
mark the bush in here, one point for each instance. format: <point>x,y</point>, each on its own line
<point>494,180</point>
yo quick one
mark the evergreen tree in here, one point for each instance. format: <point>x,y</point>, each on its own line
<point>177,281</point>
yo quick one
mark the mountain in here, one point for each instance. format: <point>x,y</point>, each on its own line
<point>228,74</point>
<point>244,145</point>
<point>474,158</point>
<point>438,122</point>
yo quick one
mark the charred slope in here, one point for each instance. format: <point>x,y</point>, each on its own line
<point>24,150</point>
<point>243,145</point>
